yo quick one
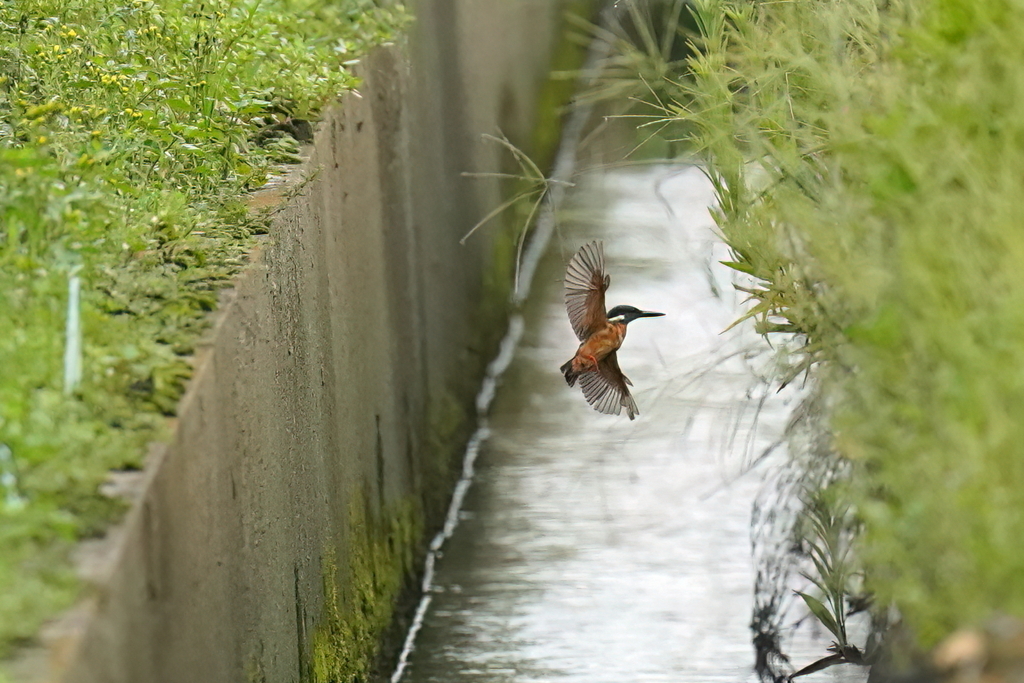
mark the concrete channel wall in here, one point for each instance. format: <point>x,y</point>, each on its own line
<point>271,537</point>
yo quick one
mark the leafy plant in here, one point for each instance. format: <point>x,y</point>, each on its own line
<point>830,530</point>
<point>646,45</point>
<point>863,157</point>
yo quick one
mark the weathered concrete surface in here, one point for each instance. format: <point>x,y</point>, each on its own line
<point>269,538</point>
<point>500,49</point>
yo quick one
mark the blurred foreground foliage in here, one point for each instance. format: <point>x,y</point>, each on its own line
<point>129,132</point>
<point>868,157</point>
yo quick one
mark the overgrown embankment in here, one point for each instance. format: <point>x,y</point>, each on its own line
<point>869,162</point>
<point>128,134</point>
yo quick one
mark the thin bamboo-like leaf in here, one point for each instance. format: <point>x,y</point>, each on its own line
<point>824,571</point>
<point>501,207</point>
<point>822,663</point>
<point>754,293</point>
<point>822,614</point>
<point>817,581</point>
<point>763,307</point>
<point>521,157</point>
<point>522,236</point>
<point>646,140</point>
<point>819,555</point>
<point>741,267</point>
<point>511,176</point>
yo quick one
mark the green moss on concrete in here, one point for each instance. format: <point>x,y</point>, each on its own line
<point>558,90</point>
<point>448,428</point>
<point>499,276</point>
<point>361,591</point>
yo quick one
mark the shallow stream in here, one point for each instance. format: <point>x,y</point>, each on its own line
<point>594,549</point>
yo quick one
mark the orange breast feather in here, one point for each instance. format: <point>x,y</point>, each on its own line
<point>598,346</point>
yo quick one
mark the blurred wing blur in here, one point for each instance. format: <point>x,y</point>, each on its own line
<point>606,389</point>
<point>585,284</point>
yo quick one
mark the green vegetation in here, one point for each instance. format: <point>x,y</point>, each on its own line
<point>360,596</point>
<point>646,48</point>
<point>129,133</point>
<point>869,164</point>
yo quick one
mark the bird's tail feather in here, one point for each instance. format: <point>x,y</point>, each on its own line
<point>570,376</point>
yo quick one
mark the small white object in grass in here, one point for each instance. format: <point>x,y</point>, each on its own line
<point>73,334</point>
<point>9,480</point>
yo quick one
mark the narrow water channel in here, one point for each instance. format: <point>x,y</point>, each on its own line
<point>595,549</point>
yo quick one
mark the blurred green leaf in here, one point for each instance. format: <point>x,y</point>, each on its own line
<point>822,614</point>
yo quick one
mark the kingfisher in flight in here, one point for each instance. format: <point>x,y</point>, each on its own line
<point>601,334</point>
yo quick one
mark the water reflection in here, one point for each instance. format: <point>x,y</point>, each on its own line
<point>592,548</point>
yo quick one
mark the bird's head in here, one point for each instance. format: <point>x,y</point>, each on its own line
<point>627,314</point>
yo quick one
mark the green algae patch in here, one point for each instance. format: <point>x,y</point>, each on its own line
<point>448,427</point>
<point>129,133</point>
<point>361,591</point>
<point>559,88</point>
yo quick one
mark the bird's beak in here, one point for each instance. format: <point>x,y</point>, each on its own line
<point>649,314</point>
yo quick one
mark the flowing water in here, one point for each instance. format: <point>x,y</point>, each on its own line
<point>590,548</point>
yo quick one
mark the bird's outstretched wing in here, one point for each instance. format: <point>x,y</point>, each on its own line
<point>606,388</point>
<point>585,284</point>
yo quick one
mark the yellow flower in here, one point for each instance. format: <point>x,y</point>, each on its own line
<point>41,139</point>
